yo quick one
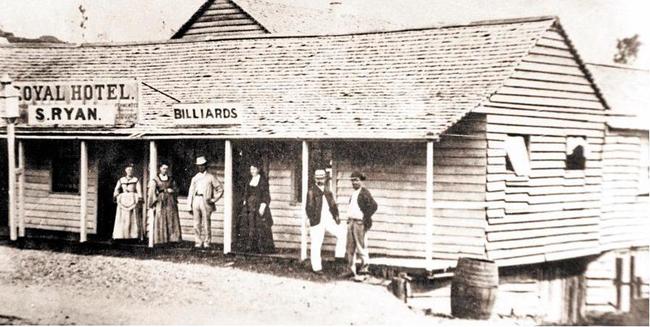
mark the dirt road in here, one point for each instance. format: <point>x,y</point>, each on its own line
<point>44,287</point>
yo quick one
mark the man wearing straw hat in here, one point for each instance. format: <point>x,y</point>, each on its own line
<point>323,216</point>
<point>205,191</point>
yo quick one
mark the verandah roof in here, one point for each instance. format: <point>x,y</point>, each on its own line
<point>411,84</point>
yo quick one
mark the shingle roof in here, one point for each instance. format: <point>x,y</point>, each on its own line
<point>409,84</point>
<point>626,92</point>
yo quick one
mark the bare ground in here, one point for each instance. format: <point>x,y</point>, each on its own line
<point>85,285</point>
<point>43,287</point>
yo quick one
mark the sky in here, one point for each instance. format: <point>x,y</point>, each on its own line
<point>593,25</point>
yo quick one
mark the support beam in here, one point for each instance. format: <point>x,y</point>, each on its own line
<point>21,188</point>
<point>83,191</point>
<point>153,170</point>
<point>227,198</point>
<point>429,208</point>
<point>303,214</point>
<point>11,163</point>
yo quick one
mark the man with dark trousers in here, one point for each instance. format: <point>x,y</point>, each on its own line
<point>362,207</point>
<point>323,216</point>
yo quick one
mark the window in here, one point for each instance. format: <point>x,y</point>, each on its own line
<point>576,150</point>
<point>517,158</point>
<point>65,167</point>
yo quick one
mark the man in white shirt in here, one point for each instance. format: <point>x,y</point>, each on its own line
<point>323,215</point>
<point>205,191</point>
<point>362,207</point>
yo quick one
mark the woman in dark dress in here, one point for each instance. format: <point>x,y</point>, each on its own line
<point>256,223</point>
<point>163,202</point>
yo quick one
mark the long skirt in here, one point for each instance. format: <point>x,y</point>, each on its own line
<point>127,217</point>
<point>255,230</point>
<point>167,226</point>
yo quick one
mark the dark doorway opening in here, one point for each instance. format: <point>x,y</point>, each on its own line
<point>112,157</point>
<point>244,153</point>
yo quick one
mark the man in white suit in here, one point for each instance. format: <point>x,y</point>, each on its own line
<point>205,191</point>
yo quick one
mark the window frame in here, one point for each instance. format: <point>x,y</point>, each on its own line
<point>510,168</point>
<point>585,150</point>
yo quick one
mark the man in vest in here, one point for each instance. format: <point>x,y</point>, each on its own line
<point>323,216</point>
<point>205,191</point>
<point>362,207</point>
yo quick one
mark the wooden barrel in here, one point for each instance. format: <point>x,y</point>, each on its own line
<point>474,288</point>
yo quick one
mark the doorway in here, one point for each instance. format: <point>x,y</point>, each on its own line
<point>112,157</point>
<point>244,153</point>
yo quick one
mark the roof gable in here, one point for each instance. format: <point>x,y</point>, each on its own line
<point>217,18</point>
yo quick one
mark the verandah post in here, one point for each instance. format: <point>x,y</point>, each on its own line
<point>83,191</point>
<point>21,188</point>
<point>227,198</point>
<point>153,170</point>
<point>303,213</point>
<point>11,161</point>
<point>429,208</point>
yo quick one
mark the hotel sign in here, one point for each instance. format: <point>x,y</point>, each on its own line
<point>93,103</point>
<point>207,113</point>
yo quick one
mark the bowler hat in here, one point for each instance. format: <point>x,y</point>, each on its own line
<point>201,161</point>
<point>357,174</point>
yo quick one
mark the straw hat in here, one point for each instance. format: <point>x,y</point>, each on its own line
<point>201,161</point>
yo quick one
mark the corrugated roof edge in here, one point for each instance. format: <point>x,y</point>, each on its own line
<point>276,36</point>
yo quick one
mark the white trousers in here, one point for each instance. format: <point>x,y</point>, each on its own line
<point>201,217</point>
<point>317,234</point>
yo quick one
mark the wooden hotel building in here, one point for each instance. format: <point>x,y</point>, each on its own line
<point>467,134</point>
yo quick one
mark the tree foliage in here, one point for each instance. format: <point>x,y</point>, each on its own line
<point>627,49</point>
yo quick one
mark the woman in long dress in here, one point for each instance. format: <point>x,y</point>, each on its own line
<point>127,195</point>
<point>162,199</point>
<point>257,221</point>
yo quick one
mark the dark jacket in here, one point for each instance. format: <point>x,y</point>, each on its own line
<point>315,204</point>
<point>262,194</point>
<point>368,206</point>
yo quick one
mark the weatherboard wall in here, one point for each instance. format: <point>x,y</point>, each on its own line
<point>552,213</point>
<point>56,211</point>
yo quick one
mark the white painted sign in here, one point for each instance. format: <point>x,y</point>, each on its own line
<point>85,103</point>
<point>207,113</point>
<point>71,115</point>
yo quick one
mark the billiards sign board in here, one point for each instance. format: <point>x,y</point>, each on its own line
<point>78,104</point>
<point>213,113</point>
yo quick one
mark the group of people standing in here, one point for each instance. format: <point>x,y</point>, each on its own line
<point>204,191</point>
<point>323,214</point>
<point>254,223</point>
